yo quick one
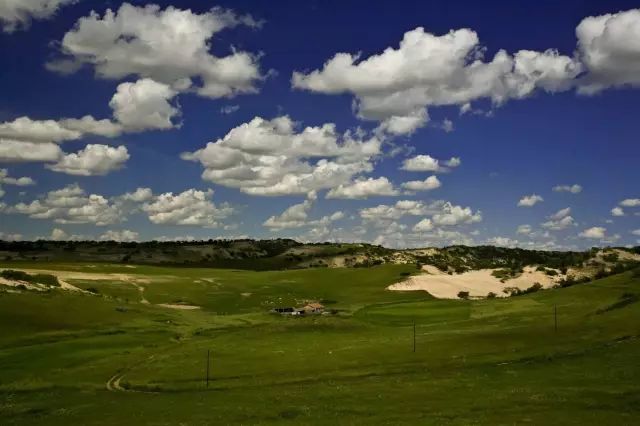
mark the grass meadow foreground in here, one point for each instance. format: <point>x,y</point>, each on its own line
<point>113,355</point>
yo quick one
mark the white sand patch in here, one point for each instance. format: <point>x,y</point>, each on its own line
<point>477,283</point>
<point>178,306</point>
<point>28,286</point>
<point>31,286</point>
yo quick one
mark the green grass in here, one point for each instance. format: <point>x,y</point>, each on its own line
<point>492,361</point>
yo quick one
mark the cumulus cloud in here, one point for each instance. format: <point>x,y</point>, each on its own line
<point>383,214</point>
<point>405,124</point>
<point>140,195</point>
<point>617,211</point>
<point>19,151</point>
<point>273,157</point>
<point>144,105</point>
<point>17,14</point>
<point>297,216</point>
<point>630,202</point>
<point>363,188</point>
<point>524,230</point>
<point>124,235</point>
<point>229,109</point>
<point>424,225</point>
<point>171,46</point>
<point>530,200</point>
<point>502,242</point>
<point>453,162</point>
<point>574,189</point>
<point>609,47</point>
<point>426,163</point>
<point>433,70</point>
<point>559,220</point>
<point>636,232</point>
<point>93,160</point>
<point>191,207</point>
<point>8,180</point>
<point>430,183</point>
<point>452,215</point>
<point>596,232</point>
<point>11,236</point>
<point>71,205</point>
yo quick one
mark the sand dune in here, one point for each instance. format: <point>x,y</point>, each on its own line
<point>477,283</point>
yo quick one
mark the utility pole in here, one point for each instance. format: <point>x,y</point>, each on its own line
<point>414,335</point>
<point>555,318</point>
<point>208,368</point>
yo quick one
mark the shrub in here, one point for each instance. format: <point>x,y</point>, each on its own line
<point>491,295</point>
<point>463,294</point>
<point>45,279</point>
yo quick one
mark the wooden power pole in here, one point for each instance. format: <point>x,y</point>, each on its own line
<point>207,368</point>
<point>414,336</point>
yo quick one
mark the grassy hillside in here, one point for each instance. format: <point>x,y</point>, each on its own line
<point>81,358</point>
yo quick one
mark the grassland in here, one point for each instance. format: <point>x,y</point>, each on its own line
<point>106,358</point>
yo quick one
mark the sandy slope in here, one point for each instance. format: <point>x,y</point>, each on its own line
<point>477,283</point>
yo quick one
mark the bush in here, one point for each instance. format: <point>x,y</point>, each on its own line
<point>45,279</point>
<point>463,294</point>
<point>491,295</point>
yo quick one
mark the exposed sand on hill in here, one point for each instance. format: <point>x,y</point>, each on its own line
<point>178,306</point>
<point>477,283</point>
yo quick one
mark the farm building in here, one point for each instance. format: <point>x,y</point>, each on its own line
<point>308,309</point>
<point>313,308</point>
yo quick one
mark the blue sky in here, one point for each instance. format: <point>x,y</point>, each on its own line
<point>322,123</point>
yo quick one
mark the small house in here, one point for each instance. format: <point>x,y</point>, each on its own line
<point>313,308</point>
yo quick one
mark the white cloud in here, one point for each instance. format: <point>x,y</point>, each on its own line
<point>171,46</point>
<point>596,232</point>
<point>405,124</point>
<point>229,109</point>
<point>609,47</point>
<point>574,189</point>
<point>426,163</point>
<point>363,188</point>
<point>71,205</point>
<point>18,151</point>
<point>382,214</point>
<point>430,183</point>
<point>89,125</point>
<point>452,215</point>
<point>144,105</point>
<point>524,229</point>
<point>16,14</point>
<point>271,157</point>
<point>191,207</point>
<point>447,125</point>
<point>453,162</point>
<point>8,180</point>
<point>297,216</point>
<point>140,195</point>
<point>559,224</point>
<point>617,211</point>
<point>423,226</point>
<point>123,235</point>
<point>502,242</point>
<point>630,202</point>
<point>11,237</point>
<point>562,213</point>
<point>636,232</point>
<point>430,70</point>
<point>93,160</point>
<point>530,200</point>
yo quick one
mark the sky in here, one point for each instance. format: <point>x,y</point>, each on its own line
<point>405,124</point>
